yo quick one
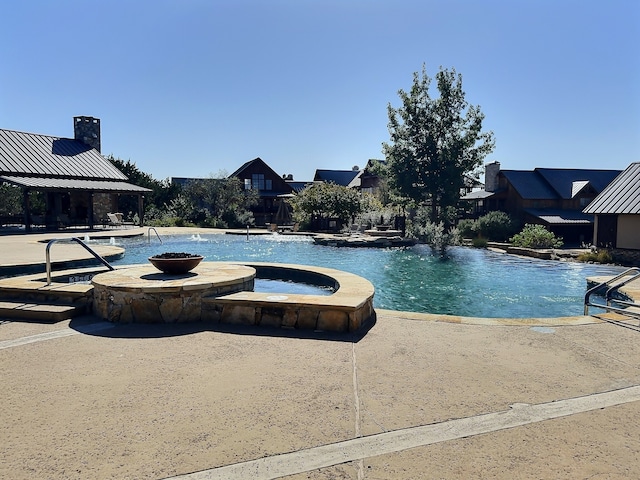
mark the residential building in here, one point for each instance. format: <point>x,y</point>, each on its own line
<point>273,189</point>
<point>553,197</point>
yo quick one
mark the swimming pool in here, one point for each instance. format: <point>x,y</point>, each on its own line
<point>471,282</point>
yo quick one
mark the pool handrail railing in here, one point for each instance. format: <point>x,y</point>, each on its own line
<point>613,285</point>
<point>79,242</point>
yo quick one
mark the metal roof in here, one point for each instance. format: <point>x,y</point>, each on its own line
<point>561,180</point>
<point>477,195</point>
<point>622,195</point>
<point>298,186</point>
<point>339,177</point>
<point>33,154</point>
<point>560,217</point>
<point>73,184</point>
<point>529,184</point>
<point>557,183</point>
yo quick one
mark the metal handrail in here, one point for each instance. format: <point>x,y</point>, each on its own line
<point>615,287</point>
<point>612,288</point>
<point>79,242</point>
<point>149,234</point>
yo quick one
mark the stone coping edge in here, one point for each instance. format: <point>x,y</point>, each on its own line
<point>351,291</point>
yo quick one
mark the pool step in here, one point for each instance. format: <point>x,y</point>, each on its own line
<point>46,312</point>
<point>33,299</point>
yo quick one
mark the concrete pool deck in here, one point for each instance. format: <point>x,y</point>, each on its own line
<point>416,396</point>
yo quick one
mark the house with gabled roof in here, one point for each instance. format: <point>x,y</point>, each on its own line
<point>553,197</point>
<point>272,188</point>
<point>617,213</point>
<point>80,186</point>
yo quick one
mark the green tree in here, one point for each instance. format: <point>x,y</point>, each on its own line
<point>10,199</point>
<point>162,191</point>
<point>220,202</point>
<point>329,200</point>
<point>434,142</point>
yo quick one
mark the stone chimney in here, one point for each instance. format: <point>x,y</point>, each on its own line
<point>491,171</point>
<point>87,130</point>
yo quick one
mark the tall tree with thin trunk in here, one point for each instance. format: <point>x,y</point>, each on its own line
<point>435,142</point>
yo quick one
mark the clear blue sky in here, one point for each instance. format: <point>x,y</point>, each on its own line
<point>195,87</point>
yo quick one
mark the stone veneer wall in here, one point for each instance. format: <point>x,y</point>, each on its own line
<point>626,257</point>
<point>293,314</point>
<point>163,306</point>
<point>103,203</point>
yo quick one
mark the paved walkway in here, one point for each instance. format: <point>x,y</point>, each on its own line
<point>419,396</point>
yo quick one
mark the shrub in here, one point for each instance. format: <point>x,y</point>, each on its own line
<point>479,242</point>
<point>496,226</point>
<point>603,256</point>
<point>468,228</point>
<point>536,236</point>
<point>433,234</point>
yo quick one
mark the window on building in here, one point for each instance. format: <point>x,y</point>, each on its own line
<point>257,181</point>
<point>247,184</point>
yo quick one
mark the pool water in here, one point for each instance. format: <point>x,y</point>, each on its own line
<point>470,282</point>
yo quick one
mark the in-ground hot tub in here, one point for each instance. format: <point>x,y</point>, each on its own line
<point>223,293</point>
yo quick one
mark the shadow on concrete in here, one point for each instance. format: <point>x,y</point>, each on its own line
<point>89,326</point>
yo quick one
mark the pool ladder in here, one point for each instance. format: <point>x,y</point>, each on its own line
<point>149,234</point>
<point>79,242</point>
<point>612,295</point>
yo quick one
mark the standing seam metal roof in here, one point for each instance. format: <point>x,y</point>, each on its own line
<point>42,155</point>
<point>621,196</point>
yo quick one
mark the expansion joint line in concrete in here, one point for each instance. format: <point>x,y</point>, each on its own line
<point>356,402</point>
<point>65,332</point>
<point>325,456</point>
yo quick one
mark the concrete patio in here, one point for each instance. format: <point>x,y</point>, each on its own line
<point>414,396</point>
